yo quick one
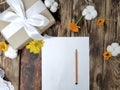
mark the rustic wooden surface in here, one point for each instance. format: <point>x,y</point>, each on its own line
<point>25,71</point>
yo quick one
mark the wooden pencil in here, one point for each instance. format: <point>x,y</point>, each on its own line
<point>76,67</point>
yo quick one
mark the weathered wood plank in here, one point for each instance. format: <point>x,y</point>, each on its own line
<point>11,68</point>
<point>111,70</point>
<point>30,77</point>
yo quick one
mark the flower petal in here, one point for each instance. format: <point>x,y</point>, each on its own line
<point>55,4</point>
<point>107,55</point>
<point>114,44</point>
<point>94,14</point>
<point>51,1</point>
<point>88,17</point>
<point>11,53</point>
<point>48,3</point>
<point>73,27</point>
<point>90,8</point>
<point>35,46</point>
<point>110,48</point>
<point>53,8</point>
<point>114,53</point>
<point>117,49</point>
<point>84,12</point>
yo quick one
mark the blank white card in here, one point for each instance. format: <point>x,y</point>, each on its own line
<point>59,63</point>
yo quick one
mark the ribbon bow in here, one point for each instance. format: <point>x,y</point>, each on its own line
<point>28,19</point>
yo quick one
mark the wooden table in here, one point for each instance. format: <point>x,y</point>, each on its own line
<point>25,71</point>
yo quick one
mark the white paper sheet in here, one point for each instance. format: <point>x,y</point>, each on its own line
<point>58,63</point>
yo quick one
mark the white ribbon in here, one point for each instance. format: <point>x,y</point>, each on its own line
<point>20,18</point>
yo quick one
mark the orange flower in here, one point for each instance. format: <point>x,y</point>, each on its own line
<point>100,22</point>
<point>3,46</point>
<point>107,55</point>
<point>73,27</point>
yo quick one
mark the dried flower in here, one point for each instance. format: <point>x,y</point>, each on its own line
<point>73,27</point>
<point>3,46</point>
<point>107,55</point>
<point>35,46</point>
<point>100,22</point>
<point>88,13</point>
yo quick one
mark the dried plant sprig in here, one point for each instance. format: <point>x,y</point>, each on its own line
<point>88,13</point>
<point>101,21</point>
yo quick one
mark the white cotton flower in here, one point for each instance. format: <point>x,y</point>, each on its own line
<point>110,48</point>
<point>55,4</point>
<point>89,12</point>
<point>114,48</point>
<point>114,44</point>
<point>52,4</point>
<point>11,53</point>
<point>48,3</point>
<point>5,85</point>
<point>54,7</point>
<point>114,53</point>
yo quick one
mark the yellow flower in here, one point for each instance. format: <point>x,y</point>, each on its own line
<point>3,46</point>
<point>107,55</point>
<point>73,27</point>
<point>100,22</point>
<point>35,46</point>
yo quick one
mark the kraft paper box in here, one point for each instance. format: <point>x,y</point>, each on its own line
<point>21,38</point>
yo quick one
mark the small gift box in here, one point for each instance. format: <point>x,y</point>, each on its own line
<point>23,21</point>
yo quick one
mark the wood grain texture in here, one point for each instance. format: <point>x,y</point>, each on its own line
<point>104,75</point>
<point>30,71</point>
<point>11,69</point>
<point>111,71</point>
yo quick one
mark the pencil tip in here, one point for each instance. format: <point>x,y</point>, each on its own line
<point>76,50</point>
<point>76,83</point>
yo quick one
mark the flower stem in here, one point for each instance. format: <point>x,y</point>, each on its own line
<point>78,20</point>
<point>111,20</point>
